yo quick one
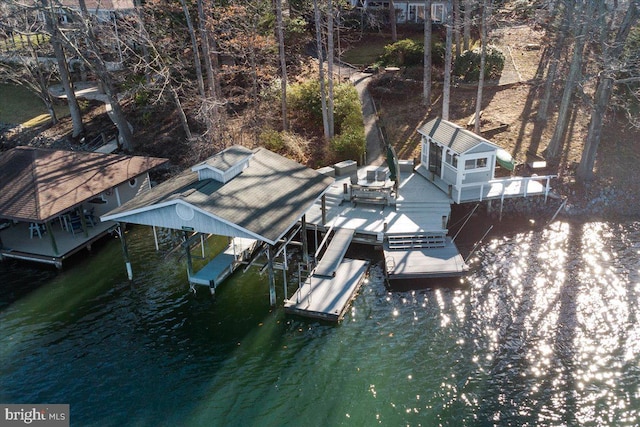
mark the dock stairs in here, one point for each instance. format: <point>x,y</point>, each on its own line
<point>334,254</point>
<point>416,241</point>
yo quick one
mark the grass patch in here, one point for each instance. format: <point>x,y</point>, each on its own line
<point>22,41</point>
<point>20,106</point>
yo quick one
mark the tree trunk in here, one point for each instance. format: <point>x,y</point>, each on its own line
<point>483,61</point>
<point>553,150</point>
<point>283,66</point>
<point>426,75</point>
<point>61,60</point>
<point>446,89</point>
<point>558,48</point>
<point>456,26</point>
<point>612,53</point>
<point>196,51</point>
<point>467,25</point>
<point>95,60</point>
<point>330,50</point>
<point>323,99</point>
<point>43,87</point>
<point>392,21</point>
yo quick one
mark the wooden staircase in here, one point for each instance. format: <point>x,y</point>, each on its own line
<point>417,241</point>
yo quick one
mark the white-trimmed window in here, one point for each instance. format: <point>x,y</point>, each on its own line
<point>480,163</point>
<point>438,13</point>
<point>452,159</point>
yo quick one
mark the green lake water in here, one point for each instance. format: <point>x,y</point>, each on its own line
<point>544,331</point>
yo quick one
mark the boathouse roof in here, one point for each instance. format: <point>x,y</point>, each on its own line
<point>455,137</point>
<point>262,201</point>
<point>38,184</point>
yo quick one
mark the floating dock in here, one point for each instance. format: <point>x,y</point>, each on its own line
<point>331,286</point>
<point>223,264</point>
<point>416,262</point>
<point>328,298</point>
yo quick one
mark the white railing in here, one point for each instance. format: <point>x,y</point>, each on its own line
<point>504,183</point>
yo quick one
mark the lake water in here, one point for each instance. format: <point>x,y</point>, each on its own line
<point>544,331</point>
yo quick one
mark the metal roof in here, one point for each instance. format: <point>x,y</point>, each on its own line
<point>266,199</point>
<point>38,184</point>
<point>453,136</point>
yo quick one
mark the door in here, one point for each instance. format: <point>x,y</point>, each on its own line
<point>435,159</point>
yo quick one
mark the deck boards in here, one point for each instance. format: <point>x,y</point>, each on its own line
<point>328,298</point>
<point>334,253</point>
<point>424,263</point>
<point>215,271</point>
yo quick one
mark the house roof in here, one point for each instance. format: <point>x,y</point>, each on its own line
<point>225,160</point>
<point>266,199</point>
<point>453,136</point>
<point>38,184</point>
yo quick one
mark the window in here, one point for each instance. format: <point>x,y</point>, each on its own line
<point>438,12</point>
<point>480,163</point>
<point>133,182</point>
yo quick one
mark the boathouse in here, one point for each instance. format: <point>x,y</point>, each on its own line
<point>51,200</point>
<point>463,165</point>
<point>257,198</point>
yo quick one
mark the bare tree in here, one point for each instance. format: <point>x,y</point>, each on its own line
<point>446,89</point>
<point>393,21</point>
<point>283,65</point>
<point>197,64</point>
<point>558,47</point>
<point>553,150</point>
<point>606,80</point>
<point>483,60</point>
<point>427,60</point>
<point>51,23</point>
<point>466,25</point>
<point>323,96</point>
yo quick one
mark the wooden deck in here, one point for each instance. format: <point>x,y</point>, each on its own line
<point>19,243</point>
<point>328,298</point>
<point>422,263</point>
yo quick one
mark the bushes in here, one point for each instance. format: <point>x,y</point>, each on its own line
<point>467,65</point>
<point>409,52</point>
<point>349,142</point>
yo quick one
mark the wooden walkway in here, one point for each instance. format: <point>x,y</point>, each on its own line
<point>328,298</point>
<point>334,253</point>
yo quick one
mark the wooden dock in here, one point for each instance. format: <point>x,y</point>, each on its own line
<point>331,286</point>
<point>416,262</point>
<point>328,298</point>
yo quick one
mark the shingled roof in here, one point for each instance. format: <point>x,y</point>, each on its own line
<point>39,184</point>
<point>453,136</point>
<point>264,200</point>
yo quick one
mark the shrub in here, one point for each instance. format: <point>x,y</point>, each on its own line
<point>467,65</point>
<point>409,52</point>
<point>403,53</point>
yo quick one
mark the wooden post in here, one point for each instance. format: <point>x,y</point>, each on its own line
<point>188,253</point>
<point>324,209</point>
<point>272,278</point>
<point>125,251</point>
<point>305,243</point>
<point>83,221</point>
<point>284,270</point>
<point>49,229</point>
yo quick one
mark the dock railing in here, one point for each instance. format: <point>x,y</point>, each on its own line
<point>504,183</point>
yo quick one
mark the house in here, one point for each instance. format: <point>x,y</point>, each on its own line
<point>407,12</point>
<point>103,10</point>
<point>464,164</point>
<point>51,200</point>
